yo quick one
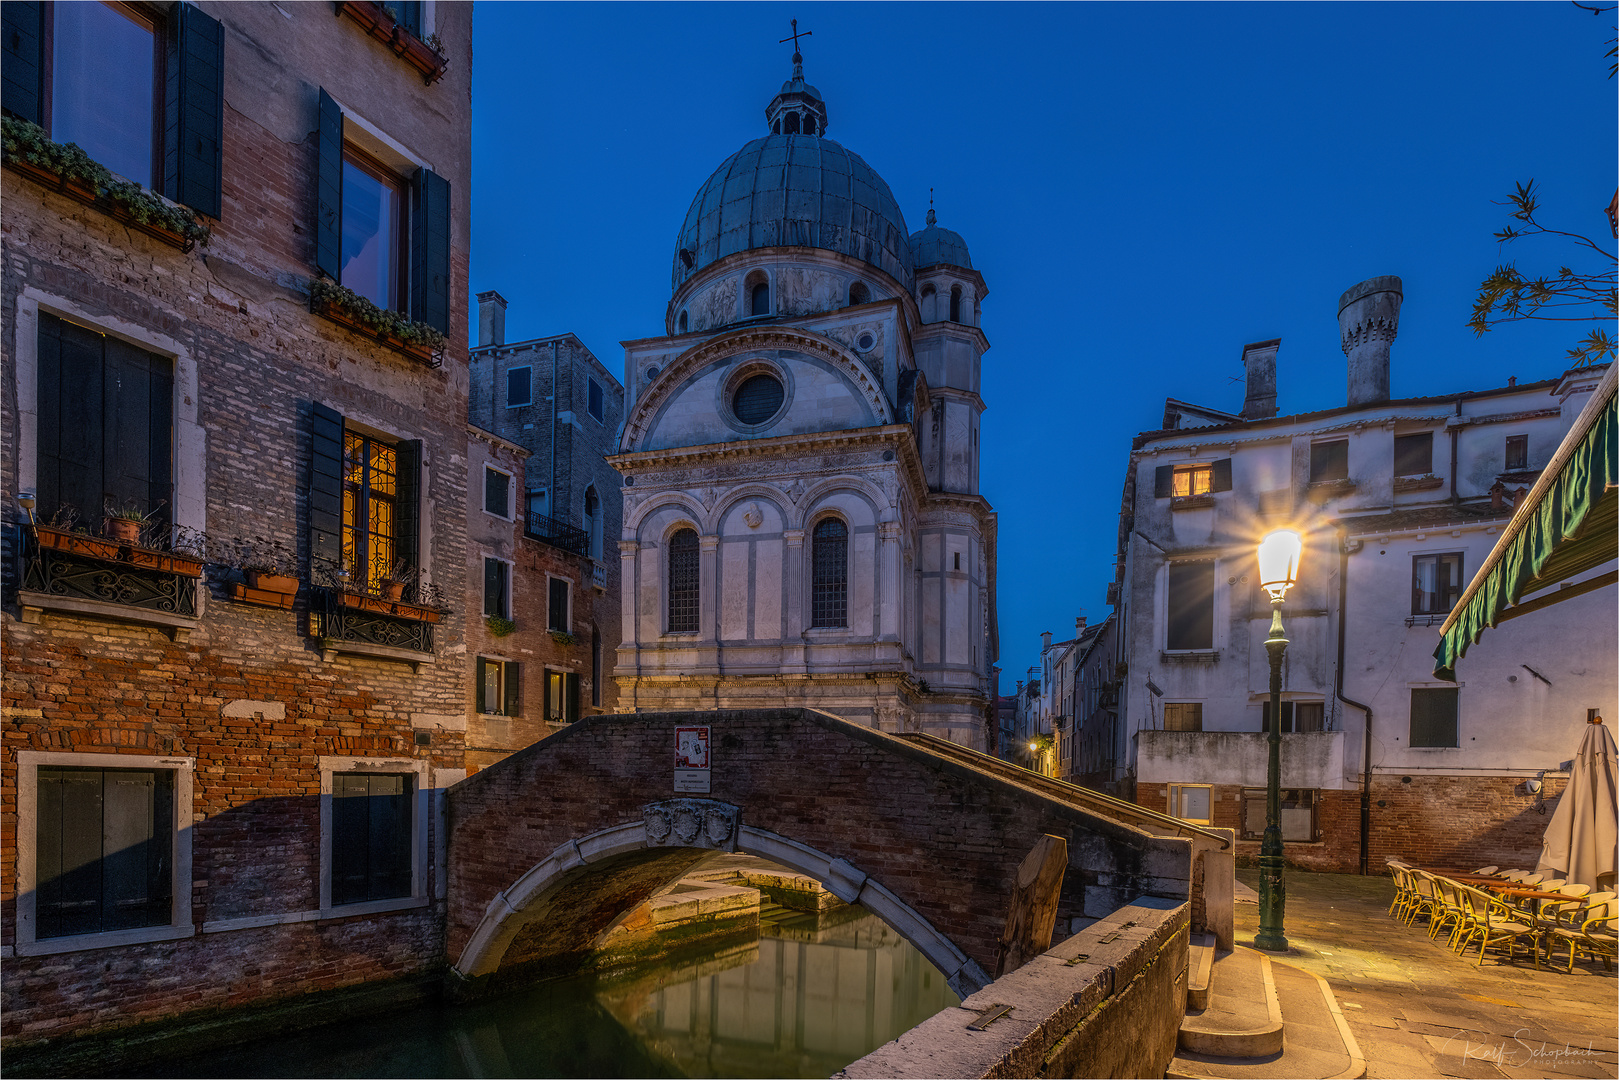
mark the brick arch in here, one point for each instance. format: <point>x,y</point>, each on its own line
<point>563,907</point>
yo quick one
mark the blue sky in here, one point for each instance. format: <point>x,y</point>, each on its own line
<point>1145,188</point>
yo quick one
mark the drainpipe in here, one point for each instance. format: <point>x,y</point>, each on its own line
<point>551,492</point>
<point>1366,745</point>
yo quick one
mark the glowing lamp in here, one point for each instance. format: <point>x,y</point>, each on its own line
<point>1279,562</point>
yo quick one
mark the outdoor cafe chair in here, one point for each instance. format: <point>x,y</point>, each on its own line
<point>1448,910</point>
<point>1595,936</point>
<point>1404,890</point>
<point>1493,922</point>
<point>1485,871</point>
<point>1422,897</point>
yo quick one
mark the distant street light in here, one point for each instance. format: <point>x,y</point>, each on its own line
<point>1278,572</point>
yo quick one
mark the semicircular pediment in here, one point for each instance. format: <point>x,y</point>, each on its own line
<point>823,387</point>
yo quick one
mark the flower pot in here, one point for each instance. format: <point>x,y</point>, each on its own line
<point>265,581</point>
<point>393,590</point>
<point>123,530</point>
<point>75,543</point>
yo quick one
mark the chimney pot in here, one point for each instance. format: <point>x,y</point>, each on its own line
<point>1368,319</point>
<point>1259,374</point>
<point>491,319</point>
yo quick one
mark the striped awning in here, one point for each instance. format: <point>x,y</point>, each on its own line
<point>1567,525</point>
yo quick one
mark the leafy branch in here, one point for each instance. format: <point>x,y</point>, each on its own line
<point>1508,295</point>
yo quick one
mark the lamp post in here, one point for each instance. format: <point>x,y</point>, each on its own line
<point>1278,572</point>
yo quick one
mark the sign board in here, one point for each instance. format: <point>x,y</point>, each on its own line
<point>692,759</point>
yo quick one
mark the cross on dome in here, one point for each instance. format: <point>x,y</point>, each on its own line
<point>798,109</point>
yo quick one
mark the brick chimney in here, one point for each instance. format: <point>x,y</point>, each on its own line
<point>1368,319</point>
<point>491,319</point>
<point>1259,373</point>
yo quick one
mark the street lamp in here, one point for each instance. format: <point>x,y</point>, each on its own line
<point>1278,572</point>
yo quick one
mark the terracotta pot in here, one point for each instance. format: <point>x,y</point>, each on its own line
<point>123,530</point>
<point>393,590</point>
<point>268,582</point>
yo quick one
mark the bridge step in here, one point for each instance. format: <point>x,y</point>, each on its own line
<point>1312,1040</point>
<point>1200,972</point>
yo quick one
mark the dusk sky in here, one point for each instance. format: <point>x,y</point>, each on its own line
<point>1144,187</point>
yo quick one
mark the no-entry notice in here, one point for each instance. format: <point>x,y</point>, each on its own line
<point>692,759</point>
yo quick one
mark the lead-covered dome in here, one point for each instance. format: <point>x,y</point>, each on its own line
<point>795,191</point>
<point>935,245</point>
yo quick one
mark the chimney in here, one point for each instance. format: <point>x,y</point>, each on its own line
<point>491,319</point>
<point>1259,367</point>
<point>1045,642</point>
<point>1368,319</point>
<point>1079,626</point>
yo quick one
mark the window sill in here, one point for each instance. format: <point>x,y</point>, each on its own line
<point>1441,748</point>
<point>112,939</point>
<point>79,191</point>
<point>1417,483</point>
<point>406,45</point>
<point>334,311</point>
<point>178,627</point>
<point>1191,502</point>
<point>331,648</point>
<point>1189,656</point>
<point>1323,490</point>
<point>373,907</point>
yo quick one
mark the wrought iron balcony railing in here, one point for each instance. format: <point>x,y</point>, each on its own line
<point>556,533</point>
<point>354,618</point>
<point>80,566</point>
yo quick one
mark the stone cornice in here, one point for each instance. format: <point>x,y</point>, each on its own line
<point>739,261</point>
<point>750,339</point>
<point>939,329</point>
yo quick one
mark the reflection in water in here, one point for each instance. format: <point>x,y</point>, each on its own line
<point>803,1004</point>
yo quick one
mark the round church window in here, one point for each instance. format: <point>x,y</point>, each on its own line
<point>757,399</point>
<point>865,341</point>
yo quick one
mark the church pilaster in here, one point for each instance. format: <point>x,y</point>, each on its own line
<point>792,652</point>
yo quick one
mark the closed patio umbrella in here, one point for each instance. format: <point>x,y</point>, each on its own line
<point>1583,837</point>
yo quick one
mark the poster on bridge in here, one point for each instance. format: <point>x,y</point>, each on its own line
<point>692,759</point>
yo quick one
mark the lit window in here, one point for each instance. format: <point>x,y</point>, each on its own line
<point>561,696</point>
<point>1191,802</point>
<point>370,494</point>
<point>519,387</point>
<point>1436,583</point>
<point>499,688</point>
<point>1193,481</point>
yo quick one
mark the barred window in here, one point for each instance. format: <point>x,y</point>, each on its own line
<point>683,610</point>
<point>370,488</point>
<point>830,583</point>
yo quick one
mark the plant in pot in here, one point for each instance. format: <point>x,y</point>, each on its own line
<point>268,565</point>
<point>499,626</point>
<point>393,585</point>
<point>125,523</point>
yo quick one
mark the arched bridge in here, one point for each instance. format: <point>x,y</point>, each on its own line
<point>552,847</point>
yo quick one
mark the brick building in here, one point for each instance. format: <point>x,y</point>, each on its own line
<point>226,734</point>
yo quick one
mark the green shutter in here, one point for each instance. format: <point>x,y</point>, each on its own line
<point>70,420</point>
<point>22,42</point>
<point>1220,474</point>
<point>570,696</point>
<point>477,672</point>
<point>491,587</point>
<point>1433,717</point>
<point>329,191</point>
<point>513,689</point>
<point>410,16</point>
<point>408,505</point>
<point>430,251</point>
<point>194,112</point>
<point>1163,482</point>
<point>326,488</point>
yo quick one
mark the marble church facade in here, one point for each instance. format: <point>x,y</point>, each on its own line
<point>802,521</point>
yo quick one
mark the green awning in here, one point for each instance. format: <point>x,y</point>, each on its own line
<point>1568,524</point>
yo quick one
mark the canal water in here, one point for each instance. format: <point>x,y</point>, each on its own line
<point>803,999</point>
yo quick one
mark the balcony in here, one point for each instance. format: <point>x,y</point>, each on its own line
<point>598,575</point>
<point>1312,759</point>
<point>372,625</point>
<point>146,582</point>
<point>556,533</point>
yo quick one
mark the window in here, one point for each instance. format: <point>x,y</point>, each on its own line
<point>105,426</point>
<point>561,696</point>
<point>1193,480</point>
<point>683,582</point>
<point>758,398</point>
<point>1297,818</point>
<point>497,588</point>
<point>829,584</point>
<point>957,554</point>
<point>557,606</point>
<point>139,94</point>
<point>1191,802</point>
<point>1189,481</point>
<point>519,386</point>
<point>370,508</point>
<point>1183,716</point>
<point>1191,606</point>
<point>371,837</point>
<point>382,227</point>
<point>593,522</point>
<point>859,294</point>
<point>1433,716</point>
<point>538,503</point>
<point>1413,454</point>
<point>1329,461</point>
<point>1436,583</point>
<point>759,299</point>
<point>593,400</point>
<point>105,850</point>
<point>1517,453</point>
<point>499,687</point>
<point>497,493</point>
<point>685,322</point>
<point>955,303</point>
<point>1297,716</point>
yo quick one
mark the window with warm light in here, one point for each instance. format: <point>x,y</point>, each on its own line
<point>1193,481</point>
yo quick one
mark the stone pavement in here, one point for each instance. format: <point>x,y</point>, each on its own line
<point>1418,1010</point>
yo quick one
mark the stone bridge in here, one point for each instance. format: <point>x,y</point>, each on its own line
<point>552,847</point>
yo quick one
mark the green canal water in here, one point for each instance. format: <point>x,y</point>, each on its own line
<point>801,1000</point>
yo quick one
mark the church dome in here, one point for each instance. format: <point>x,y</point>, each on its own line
<point>934,245</point>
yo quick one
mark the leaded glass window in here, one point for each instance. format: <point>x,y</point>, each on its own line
<point>683,581</point>
<point>829,586</point>
<point>370,520</point>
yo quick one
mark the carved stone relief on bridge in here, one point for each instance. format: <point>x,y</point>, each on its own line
<point>698,823</point>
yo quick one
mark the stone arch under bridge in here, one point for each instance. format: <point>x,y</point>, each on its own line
<point>552,847</point>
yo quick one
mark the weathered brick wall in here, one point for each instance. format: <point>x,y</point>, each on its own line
<point>946,839</point>
<point>1443,821</point>
<point>240,310</point>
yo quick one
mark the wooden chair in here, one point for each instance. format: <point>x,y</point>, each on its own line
<point>1596,935</point>
<point>1493,922</point>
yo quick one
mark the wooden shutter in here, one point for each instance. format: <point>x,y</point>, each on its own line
<point>408,503</point>
<point>558,605</point>
<point>68,846</point>
<point>137,820</point>
<point>570,696</point>
<point>1191,605</point>
<point>512,690</point>
<point>71,435</point>
<point>194,113</point>
<point>350,844</point>
<point>492,587</point>
<point>388,813</point>
<point>138,397</point>
<point>1163,482</point>
<point>22,43</point>
<point>1220,474</point>
<point>326,489</point>
<point>410,16</point>
<point>478,673</point>
<point>329,188</point>
<point>1433,717</point>
<point>430,251</point>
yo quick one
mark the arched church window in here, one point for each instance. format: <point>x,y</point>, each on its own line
<point>760,297</point>
<point>930,297</point>
<point>859,294</point>
<point>683,322</point>
<point>955,304</point>
<point>758,398</point>
<point>792,123</point>
<point>829,581</point>
<point>683,598</point>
